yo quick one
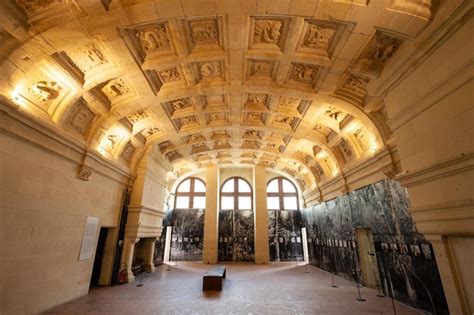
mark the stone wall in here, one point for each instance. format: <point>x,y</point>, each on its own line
<point>405,259</point>
<point>43,210</point>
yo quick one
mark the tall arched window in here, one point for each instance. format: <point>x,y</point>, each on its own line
<point>236,194</point>
<point>282,195</point>
<point>191,194</point>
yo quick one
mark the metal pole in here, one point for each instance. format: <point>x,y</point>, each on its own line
<point>141,277</point>
<point>359,297</point>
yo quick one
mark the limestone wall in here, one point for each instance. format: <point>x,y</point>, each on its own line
<point>43,209</point>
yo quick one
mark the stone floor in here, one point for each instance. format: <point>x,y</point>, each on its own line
<point>278,288</point>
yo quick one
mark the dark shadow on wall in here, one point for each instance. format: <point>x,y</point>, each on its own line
<point>406,263</point>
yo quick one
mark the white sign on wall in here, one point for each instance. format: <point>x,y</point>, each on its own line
<point>88,240</point>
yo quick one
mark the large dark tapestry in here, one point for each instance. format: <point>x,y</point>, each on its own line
<point>187,237</point>
<point>406,262</point>
<point>284,235</point>
<point>236,235</point>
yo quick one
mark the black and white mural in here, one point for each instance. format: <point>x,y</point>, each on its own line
<point>406,263</point>
<point>187,237</point>
<point>284,235</point>
<point>236,235</point>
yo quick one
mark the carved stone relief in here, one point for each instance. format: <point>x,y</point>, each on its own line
<point>250,144</point>
<point>257,98</point>
<point>140,115</point>
<point>204,32</point>
<point>267,31</point>
<point>173,155</point>
<point>335,114</point>
<point>354,89</point>
<point>150,131</point>
<point>323,129</point>
<point>32,6</point>
<point>318,37</point>
<point>200,147</point>
<point>346,150</point>
<point>128,152</point>
<point>115,88</point>
<point>283,120</point>
<point>79,117</point>
<point>45,91</point>
<point>156,38</point>
<point>196,138</point>
<point>210,69</point>
<point>88,57</point>
<point>380,49</point>
<point>261,68</point>
<point>221,145</point>
<point>304,73</point>
<point>84,172</point>
<point>188,121</point>
<point>169,75</point>
<point>181,104</point>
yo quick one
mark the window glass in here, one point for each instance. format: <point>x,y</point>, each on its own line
<point>273,203</point>
<point>273,186</point>
<point>228,186</point>
<point>290,203</point>
<point>245,203</point>
<point>199,203</point>
<point>182,202</point>
<point>185,186</point>
<point>227,203</point>
<point>243,186</point>
<point>199,186</point>
<point>288,186</point>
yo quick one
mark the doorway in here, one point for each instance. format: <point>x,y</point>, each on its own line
<point>99,255</point>
<point>367,257</point>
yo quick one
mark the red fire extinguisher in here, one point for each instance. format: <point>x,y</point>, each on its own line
<point>122,274</point>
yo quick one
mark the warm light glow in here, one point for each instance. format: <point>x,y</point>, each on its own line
<point>15,95</point>
<point>352,126</point>
<point>334,173</point>
<point>373,145</point>
<point>322,155</point>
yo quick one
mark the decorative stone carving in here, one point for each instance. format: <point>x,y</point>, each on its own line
<point>346,150</point>
<point>128,152</point>
<point>361,136</point>
<point>45,91</point>
<point>257,98</point>
<point>372,60</point>
<point>204,32</point>
<point>196,138</point>
<point>79,117</point>
<point>210,69</point>
<point>181,104</point>
<point>291,102</point>
<point>140,115</point>
<point>32,6</point>
<point>189,120</point>
<point>217,116</point>
<point>169,75</point>
<point>115,88</point>
<point>222,145</point>
<point>84,172</point>
<point>152,39</point>
<point>323,129</point>
<point>88,57</point>
<point>390,172</point>
<point>251,134</point>
<point>318,37</point>
<point>148,132</point>
<point>335,114</point>
<point>304,73</point>
<point>267,31</point>
<point>254,117</point>
<point>261,68</point>
<point>354,89</point>
<point>283,119</point>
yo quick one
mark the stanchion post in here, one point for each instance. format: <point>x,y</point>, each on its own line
<point>359,297</point>
<point>141,277</point>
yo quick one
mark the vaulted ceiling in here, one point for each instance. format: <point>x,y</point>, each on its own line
<point>292,85</point>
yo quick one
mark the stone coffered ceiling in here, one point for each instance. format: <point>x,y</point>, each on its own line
<point>283,84</point>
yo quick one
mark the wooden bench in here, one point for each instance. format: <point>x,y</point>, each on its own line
<point>212,279</point>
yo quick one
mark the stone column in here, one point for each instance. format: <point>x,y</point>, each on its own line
<point>127,255</point>
<point>149,253</point>
<point>262,254</point>
<point>211,216</point>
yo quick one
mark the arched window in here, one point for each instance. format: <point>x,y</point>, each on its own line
<point>236,194</point>
<point>191,194</point>
<point>282,195</point>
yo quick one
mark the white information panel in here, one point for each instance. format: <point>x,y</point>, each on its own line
<point>88,240</point>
